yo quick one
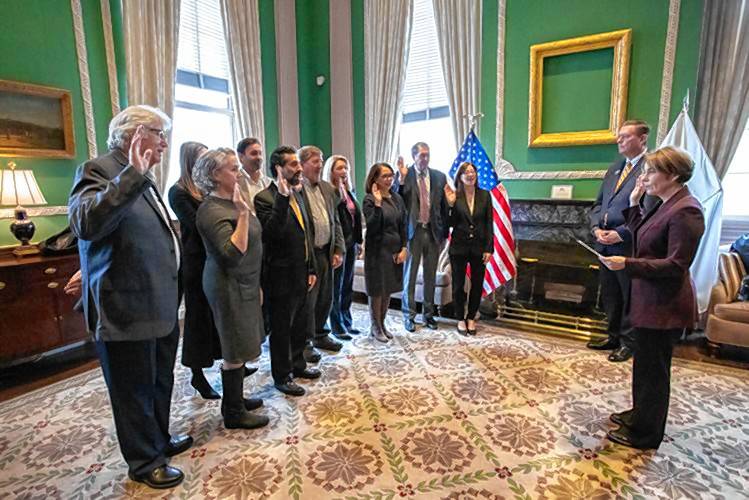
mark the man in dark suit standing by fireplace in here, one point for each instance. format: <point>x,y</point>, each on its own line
<point>613,238</point>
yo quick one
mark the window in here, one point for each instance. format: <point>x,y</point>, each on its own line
<point>202,110</point>
<point>425,110</point>
<point>736,181</point>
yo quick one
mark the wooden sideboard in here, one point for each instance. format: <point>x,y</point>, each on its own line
<point>35,313</point>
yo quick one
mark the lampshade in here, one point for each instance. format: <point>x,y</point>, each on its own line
<point>19,187</point>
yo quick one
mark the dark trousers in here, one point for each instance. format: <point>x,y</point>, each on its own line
<point>615,287</point>
<point>343,291</point>
<point>458,265</point>
<point>651,382</point>
<point>288,336</point>
<point>422,245</point>
<point>140,376</point>
<point>321,295</point>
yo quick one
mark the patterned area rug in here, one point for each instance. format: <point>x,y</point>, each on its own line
<point>432,415</point>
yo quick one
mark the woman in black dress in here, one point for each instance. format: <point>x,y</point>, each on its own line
<point>385,245</point>
<point>472,242</point>
<point>336,171</point>
<point>200,344</point>
<point>231,278</point>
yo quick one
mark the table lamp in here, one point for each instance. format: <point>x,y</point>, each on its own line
<point>18,188</point>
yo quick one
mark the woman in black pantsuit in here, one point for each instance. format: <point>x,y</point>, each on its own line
<point>385,245</point>
<point>472,242</point>
<point>200,344</point>
<point>662,301</point>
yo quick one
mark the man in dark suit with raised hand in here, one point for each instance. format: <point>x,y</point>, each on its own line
<point>613,238</point>
<point>423,191</point>
<point>130,258</point>
<point>288,269</point>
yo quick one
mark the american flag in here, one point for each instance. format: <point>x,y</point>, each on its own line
<point>501,267</point>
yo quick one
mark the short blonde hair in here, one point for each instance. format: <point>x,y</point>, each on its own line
<point>327,169</point>
<point>123,125</point>
<point>206,166</point>
<point>672,161</point>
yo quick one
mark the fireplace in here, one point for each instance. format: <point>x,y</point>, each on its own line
<point>556,289</point>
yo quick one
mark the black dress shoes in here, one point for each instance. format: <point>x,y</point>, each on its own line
<point>177,445</point>
<point>409,325</point>
<point>160,478</point>
<point>342,336</point>
<point>603,345</point>
<point>621,354</point>
<point>353,331</point>
<point>308,373</point>
<point>431,323</point>
<point>622,418</point>
<point>290,387</point>
<point>249,370</point>
<point>327,344</point>
<point>623,437</point>
<point>311,355</point>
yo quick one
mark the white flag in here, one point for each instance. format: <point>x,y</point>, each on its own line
<point>705,186</point>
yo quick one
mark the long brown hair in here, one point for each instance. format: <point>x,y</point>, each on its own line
<point>374,174</point>
<point>189,153</point>
<point>458,176</point>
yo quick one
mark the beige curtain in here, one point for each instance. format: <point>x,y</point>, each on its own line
<point>723,80</point>
<point>387,35</point>
<point>459,33</point>
<point>242,32</point>
<point>151,31</point>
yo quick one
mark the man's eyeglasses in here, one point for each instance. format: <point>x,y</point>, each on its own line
<point>158,132</point>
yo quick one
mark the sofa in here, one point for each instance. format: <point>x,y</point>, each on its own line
<point>443,285</point>
<point>727,317</point>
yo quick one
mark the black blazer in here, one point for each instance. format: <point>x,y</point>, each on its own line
<point>127,252</point>
<point>352,229</point>
<point>286,263</point>
<point>408,188</point>
<point>472,235</point>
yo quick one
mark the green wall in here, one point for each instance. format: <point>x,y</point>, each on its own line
<point>529,22</point>
<point>39,47</point>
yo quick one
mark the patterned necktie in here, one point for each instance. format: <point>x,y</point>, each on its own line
<point>423,199</point>
<point>625,172</point>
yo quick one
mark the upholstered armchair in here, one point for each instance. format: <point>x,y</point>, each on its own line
<point>728,318</point>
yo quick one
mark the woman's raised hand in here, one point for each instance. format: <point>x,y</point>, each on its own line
<point>239,202</point>
<point>638,191</point>
<point>377,195</point>
<point>449,194</point>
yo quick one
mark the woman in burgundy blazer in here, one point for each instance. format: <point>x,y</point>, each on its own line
<point>663,301</point>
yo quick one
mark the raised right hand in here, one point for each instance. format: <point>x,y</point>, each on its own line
<point>450,195</point>
<point>283,186</point>
<point>402,168</point>
<point>377,195</point>
<point>239,203</point>
<point>638,191</point>
<point>141,160</point>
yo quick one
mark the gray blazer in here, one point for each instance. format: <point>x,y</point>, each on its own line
<point>337,241</point>
<point>127,252</point>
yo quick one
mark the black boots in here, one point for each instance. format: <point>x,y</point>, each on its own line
<point>375,313</point>
<point>383,315</point>
<point>200,384</point>
<point>233,406</point>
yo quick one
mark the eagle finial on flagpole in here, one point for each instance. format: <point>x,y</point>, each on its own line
<point>473,119</point>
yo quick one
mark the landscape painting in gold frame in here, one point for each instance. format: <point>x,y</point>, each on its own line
<point>35,121</point>
<point>621,42</point>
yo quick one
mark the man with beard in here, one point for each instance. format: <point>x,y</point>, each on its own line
<point>250,154</point>
<point>288,268</point>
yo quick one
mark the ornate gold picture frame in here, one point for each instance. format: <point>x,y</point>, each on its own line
<point>35,121</point>
<point>621,42</point>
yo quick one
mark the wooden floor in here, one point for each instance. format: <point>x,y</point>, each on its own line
<point>23,378</point>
